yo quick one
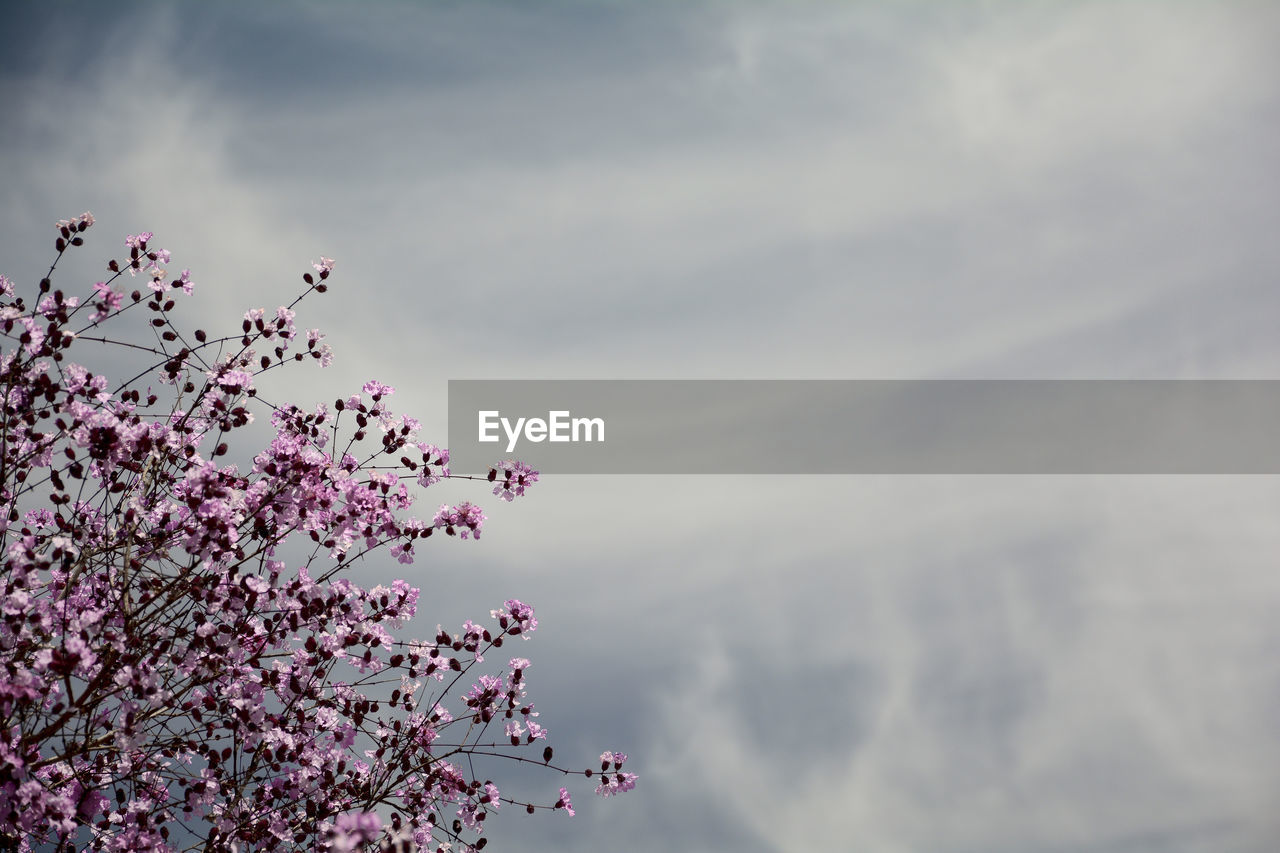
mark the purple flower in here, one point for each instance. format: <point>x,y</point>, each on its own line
<point>34,336</point>
<point>317,347</point>
<point>377,390</point>
<point>233,381</point>
<point>618,783</point>
<point>226,717</point>
<point>462,520</point>
<point>76,223</point>
<point>352,830</point>
<point>108,302</point>
<point>515,478</point>
<point>38,518</point>
<point>158,284</point>
<point>516,617</point>
<point>564,802</point>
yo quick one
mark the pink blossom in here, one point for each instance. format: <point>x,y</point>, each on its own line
<point>377,390</point>
<point>233,381</point>
<point>194,619</point>
<point>76,223</point>
<point>108,302</point>
<point>352,830</point>
<point>463,520</point>
<point>616,783</point>
<point>33,339</point>
<point>513,478</point>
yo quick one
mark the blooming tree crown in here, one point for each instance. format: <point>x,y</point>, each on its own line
<point>185,664</point>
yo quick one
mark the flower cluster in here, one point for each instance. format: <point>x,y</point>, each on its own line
<point>619,781</point>
<point>460,520</point>
<point>516,477</point>
<point>185,662</point>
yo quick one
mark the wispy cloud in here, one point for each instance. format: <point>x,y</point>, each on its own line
<point>763,191</point>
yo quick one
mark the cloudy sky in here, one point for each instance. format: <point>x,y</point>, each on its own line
<point>792,190</point>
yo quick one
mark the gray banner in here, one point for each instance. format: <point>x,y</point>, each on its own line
<point>867,426</point>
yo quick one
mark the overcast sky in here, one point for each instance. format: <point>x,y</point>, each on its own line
<point>760,191</point>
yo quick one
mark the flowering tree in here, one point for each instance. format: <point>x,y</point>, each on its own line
<point>183,663</point>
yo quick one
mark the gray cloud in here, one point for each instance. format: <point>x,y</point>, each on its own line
<point>761,191</point>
